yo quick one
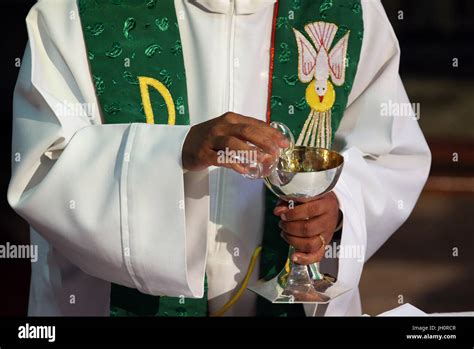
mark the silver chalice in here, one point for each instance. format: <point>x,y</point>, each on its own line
<point>302,174</point>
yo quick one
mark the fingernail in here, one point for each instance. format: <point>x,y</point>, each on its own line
<point>294,258</point>
<point>284,143</point>
<point>274,150</point>
<point>283,217</point>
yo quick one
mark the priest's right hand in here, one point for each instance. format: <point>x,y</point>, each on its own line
<point>228,132</point>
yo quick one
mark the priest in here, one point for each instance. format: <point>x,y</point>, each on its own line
<point>121,108</point>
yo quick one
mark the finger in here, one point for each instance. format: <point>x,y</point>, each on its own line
<point>313,256</point>
<point>308,258</point>
<point>306,211</point>
<point>265,128</point>
<point>304,228</point>
<point>281,207</point>
<point>256,136</point>
<point>306,245</point>
<point>233,149</point>
<point>235,153</point>
<point>260,134</point>
<point>213,159</point>
<point>230,143</point>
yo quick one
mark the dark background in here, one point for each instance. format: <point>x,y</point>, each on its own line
<point>416,265</point>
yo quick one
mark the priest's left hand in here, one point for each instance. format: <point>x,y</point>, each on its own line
<point>303,224</point>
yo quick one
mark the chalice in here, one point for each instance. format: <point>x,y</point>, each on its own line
<point>301,174</point>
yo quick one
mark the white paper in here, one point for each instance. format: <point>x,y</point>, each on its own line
<point>404,310</point>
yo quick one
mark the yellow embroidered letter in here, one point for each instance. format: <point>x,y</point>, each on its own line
<point>145,82</point>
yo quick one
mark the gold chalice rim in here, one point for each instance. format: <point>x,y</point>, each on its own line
<point>333,159</point>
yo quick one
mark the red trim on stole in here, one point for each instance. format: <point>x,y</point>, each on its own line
<point>272,61</point>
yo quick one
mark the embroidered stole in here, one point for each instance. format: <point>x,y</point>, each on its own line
<point>136,62</point>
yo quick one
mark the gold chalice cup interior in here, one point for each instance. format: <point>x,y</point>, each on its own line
<point>305,173</point>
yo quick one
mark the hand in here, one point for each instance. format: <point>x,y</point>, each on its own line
<point>230,131</point>
<point>302,225</point>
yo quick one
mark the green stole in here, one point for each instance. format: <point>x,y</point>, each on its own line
<point>137,65</point>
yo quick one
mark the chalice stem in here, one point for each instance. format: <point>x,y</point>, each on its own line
<point>316,275</point>
<point>302,274</point>
<point>299,282</point>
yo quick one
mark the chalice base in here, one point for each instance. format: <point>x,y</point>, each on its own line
<point>299,287</point>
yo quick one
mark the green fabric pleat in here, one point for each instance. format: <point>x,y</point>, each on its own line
<point>130,302</point>
<point>289,106</point>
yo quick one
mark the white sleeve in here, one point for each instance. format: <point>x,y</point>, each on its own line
<point>387,160</point>
<point>110,198</point>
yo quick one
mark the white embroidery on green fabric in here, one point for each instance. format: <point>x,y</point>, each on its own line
<point>321,67</point>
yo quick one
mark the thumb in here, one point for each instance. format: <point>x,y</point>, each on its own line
<point>281,207</point>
